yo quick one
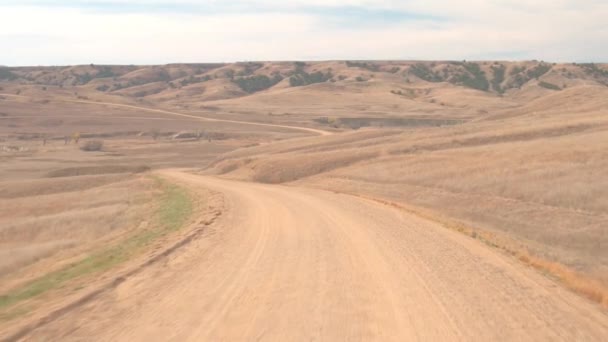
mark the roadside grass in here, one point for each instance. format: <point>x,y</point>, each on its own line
<point>590,288</point>
<point>579,283</point>
<point>174,209</point>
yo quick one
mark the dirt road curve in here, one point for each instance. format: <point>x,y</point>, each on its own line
<point>290,264</point>
<point>196,117</point>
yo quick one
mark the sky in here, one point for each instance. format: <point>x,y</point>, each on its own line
<point>61,32</point>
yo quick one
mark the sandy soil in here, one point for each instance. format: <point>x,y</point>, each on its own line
<point>286,263</point>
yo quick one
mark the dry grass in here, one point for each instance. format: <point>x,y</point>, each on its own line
<point>174,208</point>
<point>98,170</point>
<point>37,187</point>
<point>528,167</point>
<point>92,146</point>
<point>539,179</point>
<point>580,283</point>
<point>535,184</point>
<point>54,220</point>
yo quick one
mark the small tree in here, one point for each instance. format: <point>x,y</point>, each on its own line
<point>92,145</point>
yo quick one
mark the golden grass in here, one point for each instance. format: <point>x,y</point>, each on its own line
<point>98,170</point>
<point>62,216</point>
<point>174,209</point>
<point>580,283</point>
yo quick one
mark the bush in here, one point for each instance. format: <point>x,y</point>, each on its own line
<point>299,66</point>
<point>423,72</point>
<point>478,81</point>
<point>548,85</point>
<point>499,77</point>
<point>517,70</point>
<point>303,78</point>
<point>363,65</point>
<point>92,145</point>
<point>257,83</point>
<point>6,74</point>
<point>594,70</point>
<point>83,79</point>
<point>538,71</point>
<point>104,72</point>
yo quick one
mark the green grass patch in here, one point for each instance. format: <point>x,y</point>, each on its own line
<point>175,207</point>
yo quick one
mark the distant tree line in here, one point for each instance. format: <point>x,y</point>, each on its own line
<point>6,74</point>
<point>303,78</point>
<point>256,83</point>
<point>498,77</point>
<point>364,65</point>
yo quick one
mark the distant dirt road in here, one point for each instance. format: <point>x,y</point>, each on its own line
<point>202,118</point>
<point>291,264</point>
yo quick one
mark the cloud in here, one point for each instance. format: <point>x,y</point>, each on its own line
<point>156,31</point>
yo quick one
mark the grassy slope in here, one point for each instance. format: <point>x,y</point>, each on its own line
<point>175,208</point>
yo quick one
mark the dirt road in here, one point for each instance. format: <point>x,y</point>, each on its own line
<point>290,264</point>
<point>190,116</point>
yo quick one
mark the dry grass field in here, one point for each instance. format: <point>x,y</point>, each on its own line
<point>61,204</point>
<point>514,154</point>
<point>535,178</point>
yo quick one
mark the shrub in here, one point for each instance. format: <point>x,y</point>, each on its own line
<point>140,93</point>
<point>193,79</point>
<point>104,87</point>
<point>538,70</point>
<point>594,70</point>
<point>299,66</point>
<point>104,72</point>
<point>548,85</point>
<point>256,83</point>
<point>478,80</point>
<point>423,72</point>
<point>92,145</point>
<point>518,69</point>
<point>6,74</point>
<point>83,79</point>
<point>248,68</point>
<point>363,65</point>
<point>303,78</point>
<point>228,73</point>
<point>498,78</point>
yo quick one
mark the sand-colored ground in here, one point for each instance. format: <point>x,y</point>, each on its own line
<point>375,164</point>
<point>287,263</point>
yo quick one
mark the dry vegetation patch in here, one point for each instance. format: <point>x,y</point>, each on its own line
<point>97,170</point>
<point>174,208</point>
<point>580,283</point>
<point>34,187</point>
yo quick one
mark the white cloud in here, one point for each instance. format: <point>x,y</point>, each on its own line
<point>558,30</point>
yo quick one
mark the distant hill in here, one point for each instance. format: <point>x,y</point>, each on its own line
<point>251,77</point>
<point>451,90</point>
